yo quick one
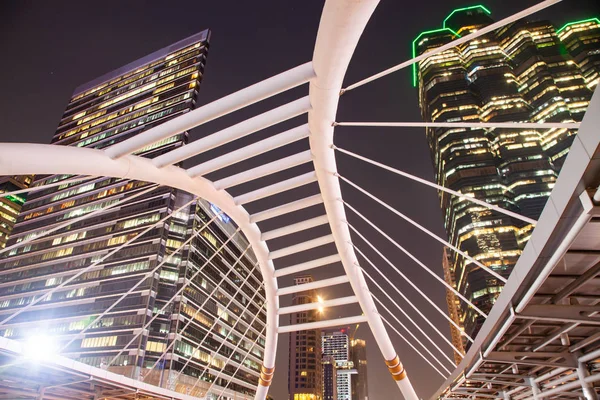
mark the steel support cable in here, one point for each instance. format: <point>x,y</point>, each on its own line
<point>439,187</point>
<point>178,293</point>
<point>439,310</point>
<point>75,220</point>
<point>416,260</point>
<point>440,334</point>
<point>475,125</point>
<point>225,339</point>
<point>411,345</point>
<point>230,252</point>
<point>242,362</point>
<point>454,43</point>
<point>82,271</point>
<point>405,313</point>
<point>423,229</point>
<point>145,276</point>
<point>201,306</point>
<point>437,360</point>
<point>42,187</point>
<point>237,346</point>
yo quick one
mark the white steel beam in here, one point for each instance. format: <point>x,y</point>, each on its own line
<point>294,269</point>
<point>339,280</point>
<point>253,150</point>
<point>225,105</point>
<point>329,323</point>
<point>300,247</point>
<point>264,170</point>
<point>239,130</point>
<point>293,228</point>
<point>286,208</point>
<point>317,305</point>
<point>279,187</point>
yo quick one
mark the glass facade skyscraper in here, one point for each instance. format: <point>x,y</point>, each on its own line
<point>526,71</point>
<point>358,355</point>
<point>305,373</point>
<point>337,345</point>
<point>197,332</point>
<point>10,205</point>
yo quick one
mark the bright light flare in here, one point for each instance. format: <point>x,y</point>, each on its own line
<point>321,308</point>
<point>40,348</point>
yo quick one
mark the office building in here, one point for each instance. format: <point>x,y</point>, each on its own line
<point>453,303</point>
<point>108,110</point>
<point>329,379</point>
<point>337,345</point>
<point>305,373</point>
<point>358,356</point>
<point>10,205</point>
<point>524,71</point>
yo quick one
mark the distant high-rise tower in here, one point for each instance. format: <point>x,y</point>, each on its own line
<point>329,378</point>
<point>358,355</point>
<point>453,303</point>
<point>10,205</point>
<point>305,376</point>
<point>520,72</point>
<point>108,110</point>
<point>337,345</point>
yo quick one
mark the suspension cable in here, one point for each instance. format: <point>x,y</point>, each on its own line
<point>395,303</point>
<point>73,221</point>
<point>439,310</point>
<point>412,346</point>
<point>82,271</point>
<point>410,303</point>
<point>455,43</point>
<point>144,277</point>
<point>230,356</point>
<point>437,360</point>
<point>416,260</point>
<point>171,299</point>
<point>475,125</point>
<point>201,306</point>
<point>241,363</point>
<point>225,339</point>
<point>439,187</point>
<point>425,230</point>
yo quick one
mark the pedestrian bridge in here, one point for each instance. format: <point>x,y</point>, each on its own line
<point>541,339</point>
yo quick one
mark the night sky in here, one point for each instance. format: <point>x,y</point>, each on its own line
<point>50,47</point>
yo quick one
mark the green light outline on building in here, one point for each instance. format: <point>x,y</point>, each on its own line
<point>414,48</point>
<point>488,12</point>
<point>578,22</point>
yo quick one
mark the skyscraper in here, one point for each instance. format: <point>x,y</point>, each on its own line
<point>305,373</point>
<point>337,345</point>
<point>329,379</point>
<point>358,355</point>
<point>520,72</point>
<point>10,205</point>
<point>145,323</point>
<point>453,303</point>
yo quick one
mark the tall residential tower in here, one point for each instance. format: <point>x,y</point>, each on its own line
<point>525,71</point>
<point>200,334</point>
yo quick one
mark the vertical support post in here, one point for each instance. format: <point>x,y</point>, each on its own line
<point>505,395</point>
<point>535,389</point>
<point>582,373</point>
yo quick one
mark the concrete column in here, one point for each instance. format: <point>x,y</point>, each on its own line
<point>535,389</point>
<point>505,395</point>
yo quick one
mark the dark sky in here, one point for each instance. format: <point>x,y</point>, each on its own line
<point>50,47</point>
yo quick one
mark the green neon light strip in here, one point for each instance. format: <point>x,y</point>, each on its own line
<point>488,12</point>
<point>578,22</point>
<point>414,48</point>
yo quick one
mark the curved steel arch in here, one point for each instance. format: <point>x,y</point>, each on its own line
<point>26,159</point>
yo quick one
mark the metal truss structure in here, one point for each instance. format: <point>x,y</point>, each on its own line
<point>522,351</point>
